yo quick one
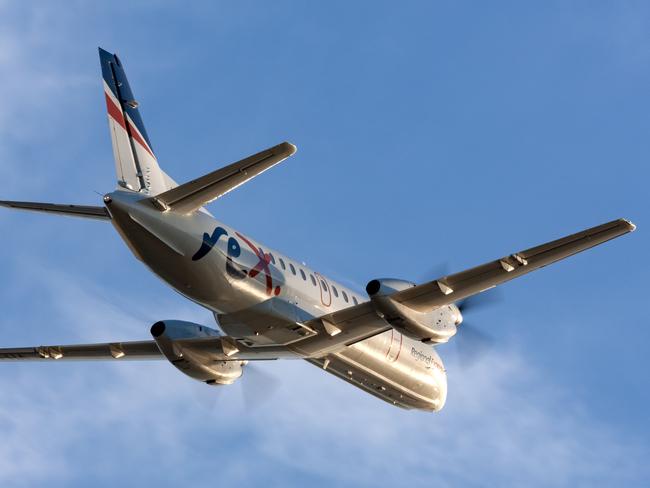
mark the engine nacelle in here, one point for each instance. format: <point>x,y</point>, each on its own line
<point>437,326</point>
<point>170,335</point>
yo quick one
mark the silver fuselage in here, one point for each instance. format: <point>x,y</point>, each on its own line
<point>390,366</point>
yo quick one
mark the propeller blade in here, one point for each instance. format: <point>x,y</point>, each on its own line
<point>471,344</point>
<point>487,298</point>
<point>258,385</point>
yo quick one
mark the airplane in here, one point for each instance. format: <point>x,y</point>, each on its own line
<point>267,305</point>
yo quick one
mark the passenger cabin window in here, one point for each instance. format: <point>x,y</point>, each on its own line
<point>345,296</point>
<point>313,280</point>
<point>304,276</point>
<point>282,264</point>
<point>354,299</point>
<point>335,291</point>
<point>323,285</point>
<point>293,270</point>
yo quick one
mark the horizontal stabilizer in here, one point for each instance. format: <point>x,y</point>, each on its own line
<point>85,211</point>
<point>195,194</point>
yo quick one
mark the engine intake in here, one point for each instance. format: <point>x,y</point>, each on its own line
<point>387,286</point>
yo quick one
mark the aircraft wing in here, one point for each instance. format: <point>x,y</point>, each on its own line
<point>322,335</point>
<point>114,350</point>
<point>455,287</point>
<point>195,194</point>
<point>211,348</point>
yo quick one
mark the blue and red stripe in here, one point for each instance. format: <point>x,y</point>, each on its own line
<point>115,78</point>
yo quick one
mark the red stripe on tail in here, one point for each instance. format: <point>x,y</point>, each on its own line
<point>115,112</point>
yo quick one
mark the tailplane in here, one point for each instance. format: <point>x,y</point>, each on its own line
<point>135,162</point>
<point>85,211</point>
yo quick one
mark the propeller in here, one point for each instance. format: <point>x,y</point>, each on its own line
<point>490,297</point>
<point>471,342</point>
<point>486,298</point>
<point>256,386</point>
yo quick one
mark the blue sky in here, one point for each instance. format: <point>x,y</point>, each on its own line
<point>428,132</point>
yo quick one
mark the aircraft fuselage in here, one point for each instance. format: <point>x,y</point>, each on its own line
<point>225,271</point>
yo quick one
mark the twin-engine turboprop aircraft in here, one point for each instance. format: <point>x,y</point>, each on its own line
<point>268,305</point>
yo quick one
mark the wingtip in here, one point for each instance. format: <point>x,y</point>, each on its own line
<point>630,224</point>
<point>285,148</point>
<point>631,227</point>
<point>291,148</point>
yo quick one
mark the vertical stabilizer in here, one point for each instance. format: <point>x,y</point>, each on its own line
<point>135,162</point>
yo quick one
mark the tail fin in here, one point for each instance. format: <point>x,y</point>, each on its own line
<point>135,162</point>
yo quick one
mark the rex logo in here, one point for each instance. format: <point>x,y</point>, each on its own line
<point>233,250</point>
